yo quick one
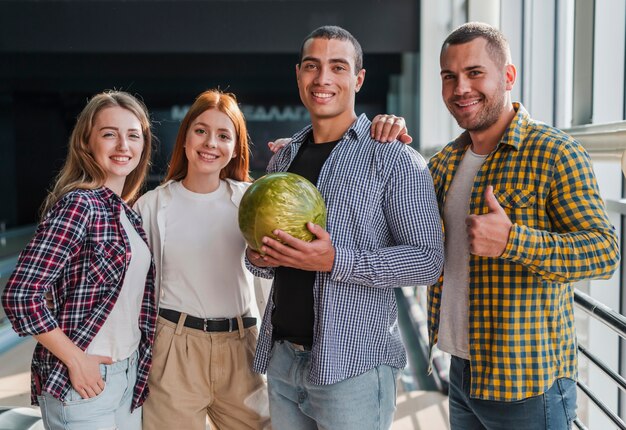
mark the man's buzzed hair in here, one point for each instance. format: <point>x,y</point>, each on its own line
<point>497,45</point>
<point>334,32</point>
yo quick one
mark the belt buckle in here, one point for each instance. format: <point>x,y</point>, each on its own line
<point>230,323</point>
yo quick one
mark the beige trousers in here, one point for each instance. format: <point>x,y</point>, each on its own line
<point>195,374</point>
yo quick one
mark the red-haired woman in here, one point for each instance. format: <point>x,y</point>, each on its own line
<point>206,334</point>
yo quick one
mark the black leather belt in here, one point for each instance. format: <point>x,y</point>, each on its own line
<point>207,324</point>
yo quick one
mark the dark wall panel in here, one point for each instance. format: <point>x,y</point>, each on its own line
<point>40,148</point>
<point>8,201</point>
<point>243,26</point>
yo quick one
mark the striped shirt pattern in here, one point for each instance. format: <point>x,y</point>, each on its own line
<point>79,254</point>
<point>385,227</point>
<point>521,323</point>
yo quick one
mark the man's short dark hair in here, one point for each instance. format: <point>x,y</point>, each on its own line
<point>334,32</point>
<point>497,45</point>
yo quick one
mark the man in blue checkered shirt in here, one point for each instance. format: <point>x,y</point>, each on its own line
<point>329,340</point>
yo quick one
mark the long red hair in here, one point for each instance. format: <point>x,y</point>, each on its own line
<point>238,168</point>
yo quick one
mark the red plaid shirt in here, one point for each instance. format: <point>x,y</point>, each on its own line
<point>79,254</point>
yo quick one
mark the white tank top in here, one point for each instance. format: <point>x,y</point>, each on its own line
<point>120,335</point>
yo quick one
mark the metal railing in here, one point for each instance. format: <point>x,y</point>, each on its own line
<point>413,328</point>
<point>617,323</point>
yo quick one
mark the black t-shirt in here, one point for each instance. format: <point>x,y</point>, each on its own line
<point>293,317</point>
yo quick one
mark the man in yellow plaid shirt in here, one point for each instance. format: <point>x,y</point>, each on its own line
<point>523,219</point>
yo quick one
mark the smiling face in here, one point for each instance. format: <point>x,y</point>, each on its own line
<point>475,87</point>
<point>116,143</point>
<point>209,147</point>
<point>327,79</point>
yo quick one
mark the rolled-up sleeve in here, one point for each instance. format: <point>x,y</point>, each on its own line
<point>41,264</point>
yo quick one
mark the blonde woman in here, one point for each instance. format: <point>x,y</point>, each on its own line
<point>89,253</point>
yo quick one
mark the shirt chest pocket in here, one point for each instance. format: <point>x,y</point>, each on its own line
<point>107,262</point>
<point>518,203</point>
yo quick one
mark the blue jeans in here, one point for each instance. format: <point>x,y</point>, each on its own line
<point>553,410</point>
<point>366,401</point>
<point>108,410</point>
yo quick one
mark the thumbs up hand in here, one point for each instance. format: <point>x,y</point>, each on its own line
<point>488,234</point>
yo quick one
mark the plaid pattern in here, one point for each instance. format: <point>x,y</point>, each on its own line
<point>521,327</point>
<point>384,224</point>
<point>80,254</point>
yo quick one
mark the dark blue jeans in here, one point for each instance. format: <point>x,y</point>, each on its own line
<point>553,410</point>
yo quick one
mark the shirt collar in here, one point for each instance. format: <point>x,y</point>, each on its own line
<point>359,129</point>
<point>513,135</point>
<point>107,195</point>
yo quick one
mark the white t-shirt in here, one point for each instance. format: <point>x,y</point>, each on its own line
<point>120,335</point>
<point>454,313</point>
<point>204,274</point>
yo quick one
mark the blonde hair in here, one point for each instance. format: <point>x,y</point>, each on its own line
<point>81,171</point>
<point>238,167</point>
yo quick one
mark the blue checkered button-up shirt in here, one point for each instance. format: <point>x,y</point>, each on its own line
<point>384,224</point>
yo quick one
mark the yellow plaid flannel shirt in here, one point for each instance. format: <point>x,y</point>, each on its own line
<point>521,317</point>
